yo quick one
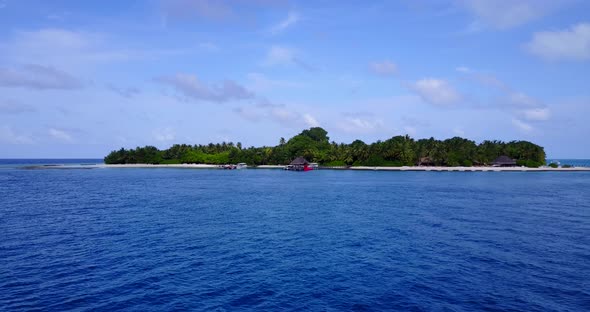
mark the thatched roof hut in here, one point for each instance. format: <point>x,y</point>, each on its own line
<point>426,161</point>
<point>299,161</point>
<point>504,161</point>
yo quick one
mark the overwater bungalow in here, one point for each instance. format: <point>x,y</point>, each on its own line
<point>299,164</point>
<point>504,161</point>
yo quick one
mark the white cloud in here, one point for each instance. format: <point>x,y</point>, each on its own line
<point>73,50</point>
<point>463,69</point>
<point>437,92</point>
<point>283,56</point>
<point>536,114</point>
<point>57,47</point>
<point>278,55</point>
<point>291,19</point>
<point>39,77</point>
<point>459,131</point>
<point>310,121</point>
<point>383,68</point>
<point>520,103</point>
<point>60,135</point>
<point>505,14</point>
<point>359,124</point>
<point>522,100</point>
<point>192,87</point>
<point>569,44</point>
<point>8,135</point>
<point>278,113</point>
<point>521,125</point>
<point>164,134</point>
<point>290,117</point>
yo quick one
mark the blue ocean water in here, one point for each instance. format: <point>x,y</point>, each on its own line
<point>182,239</point>
<point>571,162</point>
<point>39,161</point>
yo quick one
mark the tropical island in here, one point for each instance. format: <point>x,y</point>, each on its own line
<point>314,144</point>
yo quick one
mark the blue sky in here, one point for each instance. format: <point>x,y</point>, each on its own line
<point>81,78</point>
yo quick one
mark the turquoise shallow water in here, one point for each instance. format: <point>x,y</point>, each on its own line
<point>166,239</point>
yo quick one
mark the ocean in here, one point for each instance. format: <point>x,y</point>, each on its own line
<point>12,163</point>
<point>271,240</point>
<point>571,162</point>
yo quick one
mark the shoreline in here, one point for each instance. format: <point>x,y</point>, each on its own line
<point>367,168</point>
<point>471,169</point>
<point>360,168</point>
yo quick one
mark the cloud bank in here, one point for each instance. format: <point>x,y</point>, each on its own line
<point>32,76</point>
<point>191,87</point>
<point>437,92</point>
<point>568,44</point>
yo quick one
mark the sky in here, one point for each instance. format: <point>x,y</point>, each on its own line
<point>83,78</point>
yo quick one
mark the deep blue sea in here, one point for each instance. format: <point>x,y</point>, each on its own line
<point>272,240</point>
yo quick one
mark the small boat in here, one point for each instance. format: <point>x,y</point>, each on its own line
<point>234,167</point>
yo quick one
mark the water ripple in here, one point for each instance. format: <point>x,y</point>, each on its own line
<point>151,240</point>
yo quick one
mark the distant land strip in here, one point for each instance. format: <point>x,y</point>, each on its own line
<point>359,168</point>
<point>314,145</point>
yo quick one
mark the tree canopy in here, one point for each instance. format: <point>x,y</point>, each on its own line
<point>314,144</point>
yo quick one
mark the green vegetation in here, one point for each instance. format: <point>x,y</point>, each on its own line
<point>314,144</point>
<point>553,165</point>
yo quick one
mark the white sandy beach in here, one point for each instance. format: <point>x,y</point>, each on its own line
<point>363,168</point>
<point>405,168</point>
<point>490,169</point>
<point>194,166</point>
